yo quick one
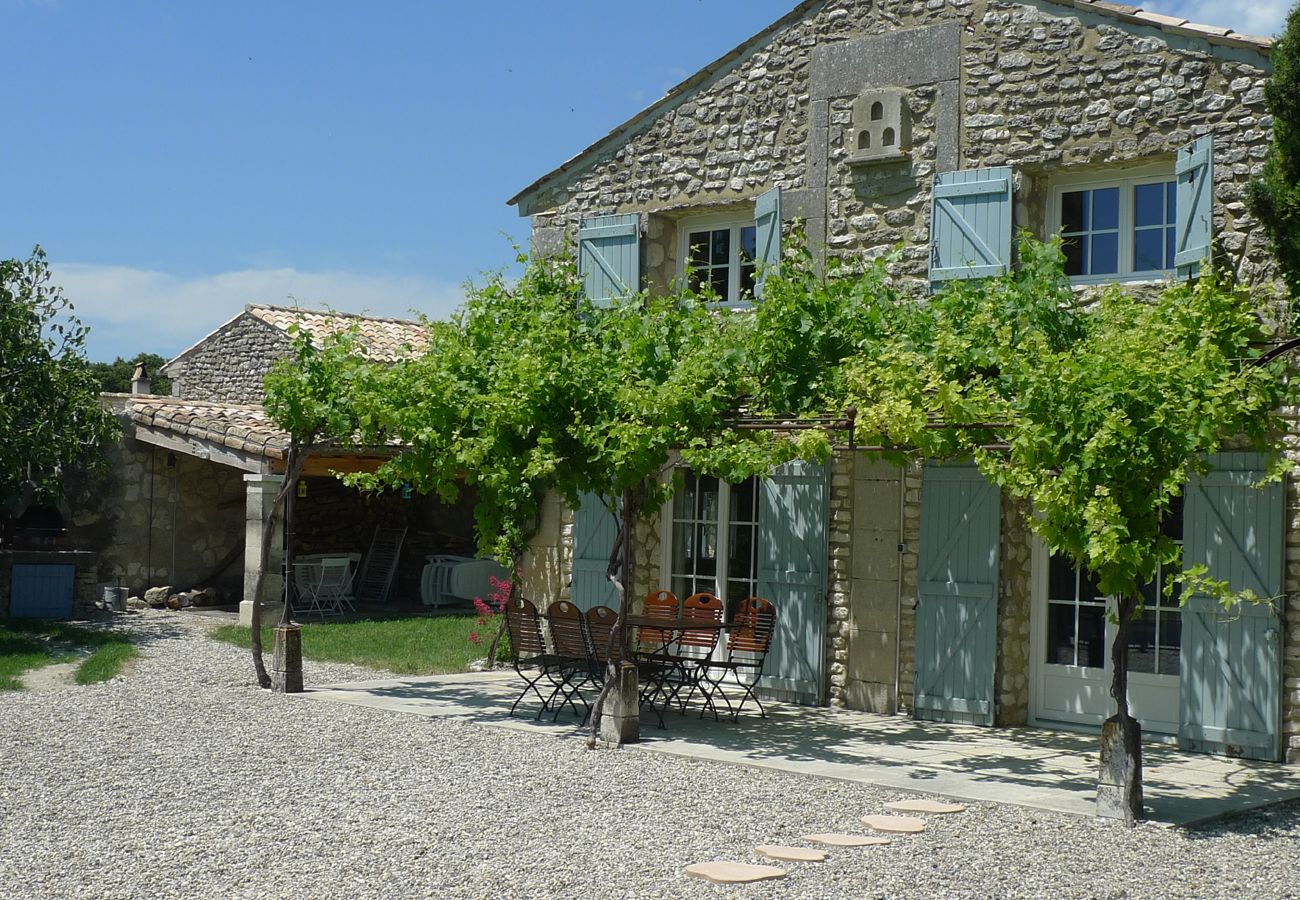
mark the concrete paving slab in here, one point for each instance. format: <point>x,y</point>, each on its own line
<point>1032,767</point>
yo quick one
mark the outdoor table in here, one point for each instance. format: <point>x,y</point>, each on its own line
<point>659,663</point>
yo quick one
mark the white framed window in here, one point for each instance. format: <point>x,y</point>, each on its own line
<point>717,253</point>
<point>1116,227</point>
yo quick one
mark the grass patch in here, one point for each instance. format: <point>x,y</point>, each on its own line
<point>27,644</point>
<point>405,646</point>
<point>106,662</point>
<point>18,653</point>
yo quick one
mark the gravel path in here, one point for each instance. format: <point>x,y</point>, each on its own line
<point>182,779</point>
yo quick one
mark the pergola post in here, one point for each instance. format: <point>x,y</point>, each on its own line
<point>260,494</point>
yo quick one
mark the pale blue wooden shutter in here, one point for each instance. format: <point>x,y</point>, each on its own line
<point>609,257</point>
<point>957,596</point>
<point>970,224</point>
<point>594,531</point>
<point>1231,667</point>
<point>792,574</point>
<point>767,222</point>
<point>1195,199</point>
<point>41,591</point>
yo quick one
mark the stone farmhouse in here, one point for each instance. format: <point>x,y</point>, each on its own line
<point>943,127</point>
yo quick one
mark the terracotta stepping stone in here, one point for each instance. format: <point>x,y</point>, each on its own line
<point>897,824</point>
<point>790,854</point>
<point>733,872</point>
<point>847,840</point>
<point>926,806</point>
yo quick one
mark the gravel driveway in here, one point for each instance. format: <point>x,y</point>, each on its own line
<point>181,779</point>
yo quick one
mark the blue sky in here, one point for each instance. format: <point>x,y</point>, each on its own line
<point>178,160</point>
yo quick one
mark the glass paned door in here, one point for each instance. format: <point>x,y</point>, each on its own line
<point>714,539</point>
<point>1072,657</point>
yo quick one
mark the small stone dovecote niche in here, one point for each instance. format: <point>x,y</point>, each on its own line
<point>881,129</point>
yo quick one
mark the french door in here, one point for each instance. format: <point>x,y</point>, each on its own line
<point>712,536</point>
<point>1072,636</point>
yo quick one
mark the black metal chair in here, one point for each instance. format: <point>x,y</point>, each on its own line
<point>528,652</point>
<point>695,645</point>
<point>748,641</point>
<point>577,666</point>
<point>600,632</point>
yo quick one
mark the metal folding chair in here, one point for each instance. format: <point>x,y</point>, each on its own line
<point>334,589</point>
<point>749,640</point>
<point>570,645</point>
<point>695,646</point>
<point>528,653</point>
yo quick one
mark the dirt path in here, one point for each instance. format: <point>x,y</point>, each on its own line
<point>50,678</point>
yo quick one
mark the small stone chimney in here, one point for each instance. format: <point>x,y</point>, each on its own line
<point>140,383</point>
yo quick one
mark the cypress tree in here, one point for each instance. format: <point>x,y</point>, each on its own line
<point>1275,197</point>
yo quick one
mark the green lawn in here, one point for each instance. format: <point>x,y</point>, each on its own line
<point>406,646</point>
<point>31,643</point>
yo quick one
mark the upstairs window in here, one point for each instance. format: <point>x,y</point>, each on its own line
<point>1116,230</point>
<point>720,256</point>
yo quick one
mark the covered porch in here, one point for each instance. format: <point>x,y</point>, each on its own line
<point>1031,767</point>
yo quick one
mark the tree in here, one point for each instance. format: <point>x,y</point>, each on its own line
<point>1274,198</point>
<point>1104,415</point>
<point>532,389</point>
<point>50,417</point>
<point>115,377</point>
<point>308,394</point>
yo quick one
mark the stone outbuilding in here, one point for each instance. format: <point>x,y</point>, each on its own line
<point>189,483</point>
<point>943,128</point>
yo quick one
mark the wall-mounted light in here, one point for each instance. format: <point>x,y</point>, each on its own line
<point>171,460</point>
<point>302,487</point>
<point>406,491</point>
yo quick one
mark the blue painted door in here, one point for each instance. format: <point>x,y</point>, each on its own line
<point>1231,666</point>
<point>594,531</point>
<point>792,515</point>
<point>43,592</point>
<point>957,596</point>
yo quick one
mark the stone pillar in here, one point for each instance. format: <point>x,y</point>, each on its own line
<point>286,671</point>
<point>260,493</point>
<point>620,721</point>
<point>1119,781</point>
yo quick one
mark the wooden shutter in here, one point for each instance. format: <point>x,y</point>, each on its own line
<point>594,531</point>
<point>792,574</point>
<point>957,602</point>
<point>609,257</point>
<point>1195,198</point>
<point>767,221</point>
<point>970,224</point>
<point>1231,668</point>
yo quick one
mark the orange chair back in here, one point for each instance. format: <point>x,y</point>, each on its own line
<point>658,605</point>
<point>702,607</point>
<point>755,623</point>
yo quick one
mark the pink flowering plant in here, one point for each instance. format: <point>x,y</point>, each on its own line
<point>489,619</point>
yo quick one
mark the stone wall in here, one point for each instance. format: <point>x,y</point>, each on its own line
<point>544,570</point>
<point>229,365</point>
<point>1012,677</point>
<point>1291,607</point>
<point>155,524</point>
<point>987,82</point>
